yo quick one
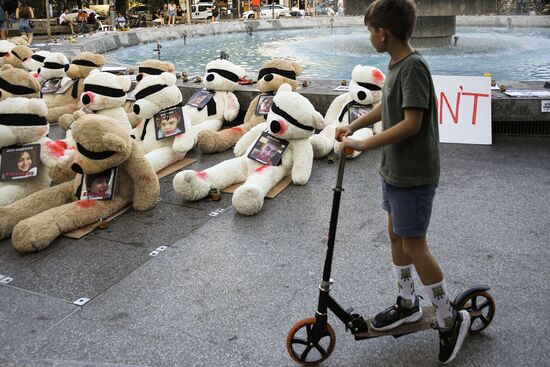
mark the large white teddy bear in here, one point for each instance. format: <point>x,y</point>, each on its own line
<point>220,80</point>
<point>22,123</point>
<point>36,61</point>
<point>54,68</point>
<point>156,93</point>
<point>292,118</point>
<point>365,89</point>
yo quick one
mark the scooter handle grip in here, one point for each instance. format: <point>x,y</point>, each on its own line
<point>348,151</point>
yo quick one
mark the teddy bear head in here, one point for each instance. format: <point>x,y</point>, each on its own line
<point>5,48</point>
<point>155,93</point>
<point>36,61</point>
<point>154,67</point>
<point>366,84</point>
<point>17,56</point>
<point>83,63</point>
<point>104,90</point>
<point>17,83</point>
<point>55,66</point>
<point>22,121</point>
<point>22,40</point>
<point>292,116</point>
<point>101,144</point>
<point>222,75</point>
<point>275,72</point>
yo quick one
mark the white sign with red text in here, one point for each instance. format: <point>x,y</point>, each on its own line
<point>463,109</point>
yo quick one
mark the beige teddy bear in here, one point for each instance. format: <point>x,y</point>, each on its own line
<point>17,83</point>
<point>97,191</point>
<point>17,56</point>
<point>272,75</point>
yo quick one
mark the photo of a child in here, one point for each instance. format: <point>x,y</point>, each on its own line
<point>99,186</point>
<point>51,86</point>
<point>264,105</point>
<point>268,150</point>
<point>169,123</point>
<point>200,98</point>
<point>20,162</point>
<point>357,111</point>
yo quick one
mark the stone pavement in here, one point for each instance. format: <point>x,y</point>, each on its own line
<point>228,288</point>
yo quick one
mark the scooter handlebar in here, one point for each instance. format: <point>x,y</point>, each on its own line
<point>348,150</point>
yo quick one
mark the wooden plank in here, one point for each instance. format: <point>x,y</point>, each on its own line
<point>276,190</point>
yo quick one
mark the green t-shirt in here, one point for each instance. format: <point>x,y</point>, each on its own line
<point>415,160</point>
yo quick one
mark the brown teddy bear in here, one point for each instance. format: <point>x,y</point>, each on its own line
<point>272,75</point>
<point>69,100</point>
<point>17,83</point>
<point>97,191</point>
<point>17,56</point>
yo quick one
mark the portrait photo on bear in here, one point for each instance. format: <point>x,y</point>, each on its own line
<point>20,162</point>
<point>357,111</point>
<point>65,87</point>
<point>99,186</point>
<point>131,95</point>
<point>200,99</point>
<point>264,105</point>
<point>51,86</point>
<point>169,122</point>
<point>268,149</point>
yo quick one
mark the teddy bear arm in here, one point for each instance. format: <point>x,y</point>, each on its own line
<point>247,139</point>
<point>336,107</point>
<point>232,107</point>
<point>145,182</point>
<point>56,112</point>
<point>251,109</point>
<point>302,162</point>
<point>162,157</point>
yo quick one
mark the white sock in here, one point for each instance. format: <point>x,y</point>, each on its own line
<point>405,284</point>
<point>440,300</point>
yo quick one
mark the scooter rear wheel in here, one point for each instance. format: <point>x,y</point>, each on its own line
<point>303,349</point>
<point>481,307</point>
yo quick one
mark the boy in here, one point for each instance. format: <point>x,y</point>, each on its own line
<point>409,170</point>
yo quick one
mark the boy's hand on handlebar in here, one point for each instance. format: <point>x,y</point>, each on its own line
<point>342,132</point>
<point>350,145</point>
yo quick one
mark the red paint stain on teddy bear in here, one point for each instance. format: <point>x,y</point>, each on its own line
<point>262,168</point>
<point>86,204</point>
<point>236,129</point>
<point>57,148</point>
<point>284,127</point>
<point>378,76</point>
<point>202,175</point>
<point>145,178</point>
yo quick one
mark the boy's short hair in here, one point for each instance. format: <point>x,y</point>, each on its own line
<point>398,16</point>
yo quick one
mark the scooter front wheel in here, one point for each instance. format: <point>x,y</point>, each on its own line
<point>481,306</point>
<point>306,348</point>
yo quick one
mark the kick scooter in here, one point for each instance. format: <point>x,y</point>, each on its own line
<point>312,340</point>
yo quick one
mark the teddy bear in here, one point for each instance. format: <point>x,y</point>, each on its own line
<point>291,120</point>
<point>68,97</point>
<point>22,40</point>
<point>271,76</point>
<point>365,89</point>
<point>36,61</point>
<point>17,56</point>
<point>17,83</point>
<point>156,96</point>
<point>52,75</point>
<point>5,48</point>
<point>23,131</point>
<point>112,172</point>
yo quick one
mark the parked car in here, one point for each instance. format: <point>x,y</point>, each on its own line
<point>327,8</point>
<point>268,11</point>
<point>202,11</point>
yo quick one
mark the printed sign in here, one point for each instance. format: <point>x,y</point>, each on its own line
<point>464,109</point>
<point>169,122</point>
<point>51,86</point>
<point>342,88</point>
<point>20,162</point>
<point>357,110</point>
<point>99,186</point>
<point>117,70</point>
<point>200,99</point>
<point>268,149</point>
<point>65,87</point>
<point>131,95</point>
<point>264,105</point>
<point>545,105</point>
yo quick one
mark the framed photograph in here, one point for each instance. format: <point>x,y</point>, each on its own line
<point>342,88</point>
<point>117,70</point>
<point>65,87</point>
<point>355,111</point>
<point>99,186</point>
<point>264,105</point>
<point>169,122</point>
<point>20,162</point>
<point>268,149</point>
<point>200,99</point>
<point>51,86</point>
<point>131,95</point>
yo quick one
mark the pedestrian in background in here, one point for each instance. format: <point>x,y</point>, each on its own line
<point>3,22</point>
<point>25,14</point>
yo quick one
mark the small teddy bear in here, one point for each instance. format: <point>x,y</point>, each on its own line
<point>24,148</point>
<point>271,76</point>
<point>112,173</point>
<point>264,155</point>
<point>158,101</point>
<point>365,89</point>
<point>67,98</point>
<point>17,83</point>
<point>17,56</point>
<point>52,75</point>
<point>36,61</point>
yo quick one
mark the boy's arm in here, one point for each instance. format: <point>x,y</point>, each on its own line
<point>402,130</point>
<point>372,117</point>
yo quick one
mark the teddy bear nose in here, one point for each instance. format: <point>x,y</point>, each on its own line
<point>136,109</point>
<point>209,77</point>
<point>361,95</point>
<point>275,126</point>
<point>75,167</point>
<point>268,77</point>
<point>86,99</point>
<point>139,77</point>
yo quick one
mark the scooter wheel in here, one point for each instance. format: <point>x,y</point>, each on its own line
<point>303,349</point>
<point>481,307</point>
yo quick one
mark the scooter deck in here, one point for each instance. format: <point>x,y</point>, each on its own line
<point>425,323</point>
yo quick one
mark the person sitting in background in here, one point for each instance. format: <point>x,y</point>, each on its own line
<point>158,17</point>
<point>92,22</point>
<point>64,20</point>
<point>179,14</point>
<point>120,21</point>
<point>83,22</point>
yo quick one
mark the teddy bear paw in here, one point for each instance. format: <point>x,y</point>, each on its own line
<point>191,186</point>
<point>206,141</point>
<point>32,236</point>
<point>248,200</point>
<point>321,146</point>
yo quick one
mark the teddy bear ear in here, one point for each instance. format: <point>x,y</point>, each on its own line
<point>37,106</point>
<point>171,68</point>
<point>356,68</point>
<point>168,78</point>
<point>114,142</point>
<point>297,68</point>
<point>125,83</point>
<point>284,88</point>
<point>318,120</point>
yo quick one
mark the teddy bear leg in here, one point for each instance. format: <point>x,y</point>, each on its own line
<point>37,232</point>
<point>65,121</point>
<point>55,113</point>
<point>248,199</point>
<point>219,141</point>
<point>31,205</point>
<point>323,142</point>
<point>163,157</point>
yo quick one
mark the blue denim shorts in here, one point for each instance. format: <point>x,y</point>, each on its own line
<point>410,208</point>
<point>24,26</point>
<point>3,26</point>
